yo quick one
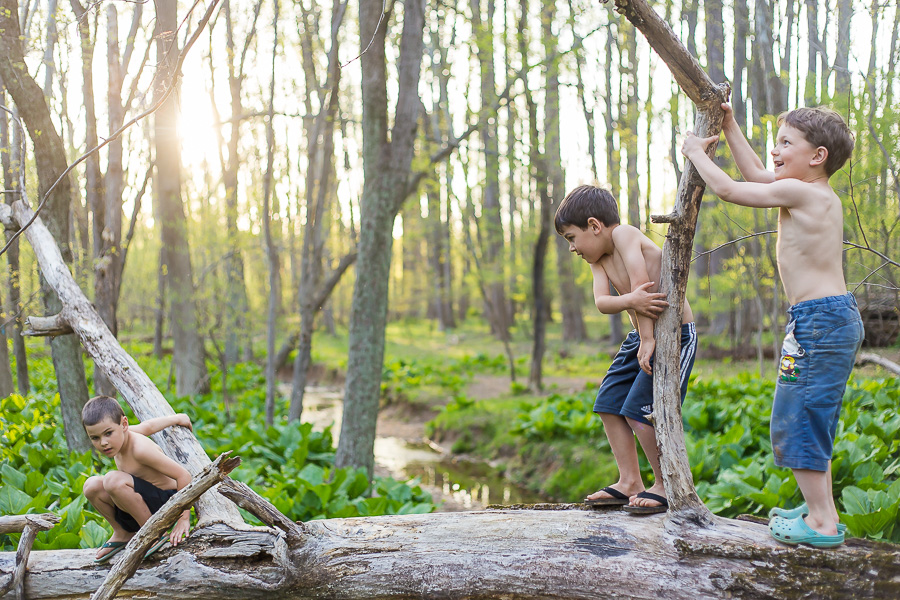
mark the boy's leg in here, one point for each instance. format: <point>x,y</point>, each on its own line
<point>816,489</point>
<point>100,499</point>
<point>646,435</point>
<point>120,487</point>
<point>621,442</point>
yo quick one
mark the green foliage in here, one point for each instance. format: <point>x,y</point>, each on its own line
<point>560,417</point>
<point>404,379</point>
<point>289,464</point>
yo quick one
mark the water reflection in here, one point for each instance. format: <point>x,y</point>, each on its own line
<point>463,484</point>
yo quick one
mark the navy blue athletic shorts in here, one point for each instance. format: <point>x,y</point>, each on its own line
<point>628,391</point>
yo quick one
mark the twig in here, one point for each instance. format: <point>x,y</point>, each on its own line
<point>734,241</point>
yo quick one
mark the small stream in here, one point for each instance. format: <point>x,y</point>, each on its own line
<point>461,484</point>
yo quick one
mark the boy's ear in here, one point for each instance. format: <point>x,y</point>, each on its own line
<point>124,422</point>
<point>820,157</point>
<point>594,224</point>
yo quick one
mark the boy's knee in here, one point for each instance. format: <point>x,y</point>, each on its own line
<point>93,486</point>
<point>116,481</point>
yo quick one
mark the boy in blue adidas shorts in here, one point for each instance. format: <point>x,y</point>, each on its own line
<point>824,330</point>
<point>621,255</point>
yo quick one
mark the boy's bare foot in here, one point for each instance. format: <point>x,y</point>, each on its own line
<point>646,499</point>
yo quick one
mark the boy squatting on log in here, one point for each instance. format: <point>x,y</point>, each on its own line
<point>824,330</point>
<point>146,478</point>
<point>588,218</point>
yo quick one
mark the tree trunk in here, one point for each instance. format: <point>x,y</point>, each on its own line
<point>188,353</point>
<point>527,554</point>
<point>50,163</point>
<point>271,249</point>
<point>616,333</point>
<point>685,505</point>
<point>386,166</point>
<point>492,246</point>
<point>539,174</point>
<point>842,54</point>
<point>319,197</point>
<point>13,306</point>
<point>571,296</point>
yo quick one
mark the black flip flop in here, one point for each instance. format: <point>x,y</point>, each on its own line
<point>648,510</point>
<point>618,498</point>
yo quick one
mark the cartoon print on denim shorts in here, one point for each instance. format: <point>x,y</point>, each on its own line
<point>789,370</point>
<point>790,352</point>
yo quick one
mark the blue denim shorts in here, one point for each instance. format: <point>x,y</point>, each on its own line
<point>819,349</point>
<point>628,391</point>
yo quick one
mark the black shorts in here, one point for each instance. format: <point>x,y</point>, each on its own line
<point>153,497</point>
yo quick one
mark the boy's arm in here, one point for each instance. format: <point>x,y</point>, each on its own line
<point>746,159</point>
<point>152,457</point>
<point>787,193</point>
<point>628,245</point>
<point>641,299</point>
<point>157,424</point>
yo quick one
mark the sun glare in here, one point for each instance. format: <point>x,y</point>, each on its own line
<point>196,129</point>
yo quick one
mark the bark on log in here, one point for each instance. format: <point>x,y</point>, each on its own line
<point>868,357</point>
<point>685,504</point>
<point>160,522</point>
<point>135,386</point>
<point>489,554</point>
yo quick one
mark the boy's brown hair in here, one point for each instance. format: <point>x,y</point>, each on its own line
<point>99,408</point>
<point>824,127</point>
<point>584,202</point>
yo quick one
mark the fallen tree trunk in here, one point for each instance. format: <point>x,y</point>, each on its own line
<point>490,554</point>
<point>864,358</point>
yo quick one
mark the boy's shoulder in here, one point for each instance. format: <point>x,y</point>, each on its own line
<point>629,237</point>
<point>140,448</point>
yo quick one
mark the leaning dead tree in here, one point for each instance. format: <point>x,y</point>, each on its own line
<point>566,552</point>
<point>685,505</point>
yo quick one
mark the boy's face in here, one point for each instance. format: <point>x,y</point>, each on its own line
<point>793,154</point>
<point>585,242</point>
<point>107,436</point>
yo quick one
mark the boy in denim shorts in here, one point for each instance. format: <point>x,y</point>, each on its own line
<point>825,330</point>
<point>623,256</point>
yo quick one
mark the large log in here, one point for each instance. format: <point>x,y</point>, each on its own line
<point>135,386</point>
<point>566,553</point>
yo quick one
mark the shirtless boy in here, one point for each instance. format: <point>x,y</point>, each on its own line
<point>824,330</point>
<point>588,219</point>
<point>146,478</point>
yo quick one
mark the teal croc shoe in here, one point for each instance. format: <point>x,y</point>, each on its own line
<point>800,511</point>
<point>789,513</point>
<point>796,531</point>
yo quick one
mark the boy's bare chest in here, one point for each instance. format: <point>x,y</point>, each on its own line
<point>615,270</point>
<point>129,464</point>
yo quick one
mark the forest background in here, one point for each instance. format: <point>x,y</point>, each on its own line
<point>319,171</point>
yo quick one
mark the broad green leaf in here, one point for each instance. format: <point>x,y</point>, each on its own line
<point>13,501</point>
